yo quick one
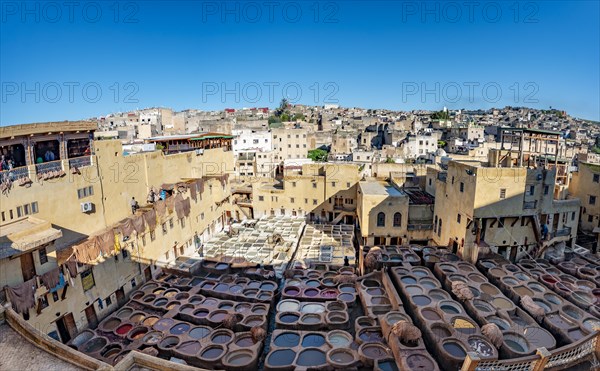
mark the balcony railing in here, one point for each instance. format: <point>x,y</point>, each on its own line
<point>14,174</point>
<point>48,166</point>
<point>80,162</point>
<point>419,226</point>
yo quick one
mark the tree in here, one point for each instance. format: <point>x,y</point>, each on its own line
<point>318,155</point>
<point>441,115</point>
<point>441,144</point>
<point>390,160</point>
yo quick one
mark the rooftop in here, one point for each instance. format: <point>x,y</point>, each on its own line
<point>379,188</point>
<point>26,234</point>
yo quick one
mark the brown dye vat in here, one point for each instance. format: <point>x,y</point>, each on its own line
<point>448,268</point>
<point>539,337</point>
<point>335,306</point>
<point>182,296</point>
<point>124,313</point>
<point>110,324</point>
<point>170,293</point>
<point>244,341</point>
<point>475,277</point>
<point>189,347</point>
<point>137,317</point>
<point>149,298</point>
<point>522,291</point>
<point>173,304</point>
<point>187,309</point>
<point>502,303</point>
<point>150,321</point>
<point>111,351</point>
<point>438,294</point>
<point>337,317</point>
<point>137,333</point>
<point>430,314</point>
<point>217,315</point>
<point>483,306</point>
<point>380,300</point>
<point>440,330</point>
<point>497,272</point>
<point>489,289</point>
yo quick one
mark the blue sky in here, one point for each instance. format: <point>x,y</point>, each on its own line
<point>63,62</point>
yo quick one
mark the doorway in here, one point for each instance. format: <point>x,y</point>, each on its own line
<point>90,315</point>
<point>121,293</point>
<point>27,266</point>
<point>66,327</point>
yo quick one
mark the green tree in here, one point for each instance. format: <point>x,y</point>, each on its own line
<point>390,160</point>
<point>318,155</point>
<point>441,144</point>
<point>441,115</point>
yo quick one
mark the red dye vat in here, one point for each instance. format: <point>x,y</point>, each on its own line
<point>124,329</point>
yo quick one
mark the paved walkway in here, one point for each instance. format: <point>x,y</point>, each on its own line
<point>18,354</point>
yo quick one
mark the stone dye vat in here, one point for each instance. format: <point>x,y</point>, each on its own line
<point>296,315</point>
<point>521,334</point>
<point>313,350</point>
<point>320,285</point>
<point>565,321</point>
<point>448,330</point>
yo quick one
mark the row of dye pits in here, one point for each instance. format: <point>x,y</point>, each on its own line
<point>565,318</point>
<point>434,310</point>
<point>199,309</point>
<point>319,286</point>
<point>311,315</point>
<point>290,349</point>
<point>521,334</point>
<point>172,338</point>
<point>581,292</point>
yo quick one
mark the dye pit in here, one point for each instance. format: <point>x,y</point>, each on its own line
<point>230,313</point>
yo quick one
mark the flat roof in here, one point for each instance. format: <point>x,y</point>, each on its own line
<point>379,188</point>
<point>7,132</point>
<point>197,136</point>
<point>23,235</point>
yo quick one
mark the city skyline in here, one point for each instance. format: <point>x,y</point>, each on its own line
<point>61,63</point>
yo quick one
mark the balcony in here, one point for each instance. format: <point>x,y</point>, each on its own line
<point>48,167</point>
<point>79,162</point>
<point>14,174</point>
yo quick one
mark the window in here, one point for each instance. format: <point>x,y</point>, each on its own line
<point>171,223</point>
<point>502,192</point>
<point>124,253</point>
<point>43,256</point>
<point>458,217</point>
<point>314,201</point>
<point>133,283</point>
<point>182,220</point>
<point>531,190</point>
<point>43,301</point>
<point>333,184</point>
<point>3,217</point>
<point>85,192</point>
<point>501,223</point>
<point>397,220</point>
<point>546,190</point>
<point>282,211</point>
<point>152,235</point>
<point>306,200</point>
<point>429,181</point>
<point>435,221</point>
<point>440,228</point>
<point>292,200</point>
<point>116,258</point>
<point>573,215</point>
<point>462,186</point>
<point>452,180</point>
<point>596,178</point>
<point>55,296</point>
<point>19,211</point>
<point>164,228</point>
<point>27,209</point>
<point>381,220</point>
<point>108,301</point>
<point>261,198</point>
<point>590,218</point>
<point>167,255</point>
<point>592,200</point>
<point>293,184</point>
<point>314,185</point>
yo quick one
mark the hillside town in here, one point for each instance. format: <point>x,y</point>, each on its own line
<point>302,237</point>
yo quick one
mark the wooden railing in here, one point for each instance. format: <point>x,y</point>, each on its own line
<point>586,349</point>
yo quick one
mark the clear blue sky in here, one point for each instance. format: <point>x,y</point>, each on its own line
<point>55,58</point>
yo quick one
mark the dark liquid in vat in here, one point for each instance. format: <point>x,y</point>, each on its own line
<point>313,340</point>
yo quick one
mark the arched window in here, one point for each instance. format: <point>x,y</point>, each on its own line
<point>397,219</point>
<point>381,220</point>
